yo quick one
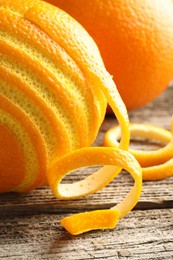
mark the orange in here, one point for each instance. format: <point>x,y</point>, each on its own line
<point>135,40</point>
<point>54,90</point>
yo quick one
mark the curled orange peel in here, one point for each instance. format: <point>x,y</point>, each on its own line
<point>156,164</point>
<point>99,219</point>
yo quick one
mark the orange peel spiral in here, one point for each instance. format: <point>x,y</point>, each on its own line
<point>54,90</point>
<point>89,156</point>
<point>156,164</point>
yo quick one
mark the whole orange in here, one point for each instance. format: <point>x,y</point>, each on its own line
<point>135,39</point>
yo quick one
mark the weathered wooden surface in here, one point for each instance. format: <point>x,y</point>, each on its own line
<point>141,235</point>
<point>29,223</point>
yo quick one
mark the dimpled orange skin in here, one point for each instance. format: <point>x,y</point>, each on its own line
<point>135,40</point>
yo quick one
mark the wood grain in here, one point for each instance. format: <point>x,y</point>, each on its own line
<point>141,235</point>
<point>29,223</point>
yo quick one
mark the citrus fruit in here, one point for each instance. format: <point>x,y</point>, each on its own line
<point>135,40</point>
<point>54,90</point>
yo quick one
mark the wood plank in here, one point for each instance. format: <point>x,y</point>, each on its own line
<point>154,195</point>
<point>141,235</point>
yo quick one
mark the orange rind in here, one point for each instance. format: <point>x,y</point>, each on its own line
<point>156,164</point>
<point>94,156</point>
<point>25,158</point>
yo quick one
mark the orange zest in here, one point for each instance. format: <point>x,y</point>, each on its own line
<point>157,164</point>
<point>89,156</point>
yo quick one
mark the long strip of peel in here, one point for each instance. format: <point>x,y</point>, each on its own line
<point>47,18</point>
<point>99,219</point>
<point>157,164</point>
<point>158,172</point>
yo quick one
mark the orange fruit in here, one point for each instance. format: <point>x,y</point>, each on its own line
<point>54,90</point>
<point>135,40</point>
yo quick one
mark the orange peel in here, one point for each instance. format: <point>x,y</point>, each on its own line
<point>52,73</point>
<point>156,164</point>
<point>89,156</point>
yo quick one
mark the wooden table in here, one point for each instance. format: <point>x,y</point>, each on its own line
<point>29,223</point>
